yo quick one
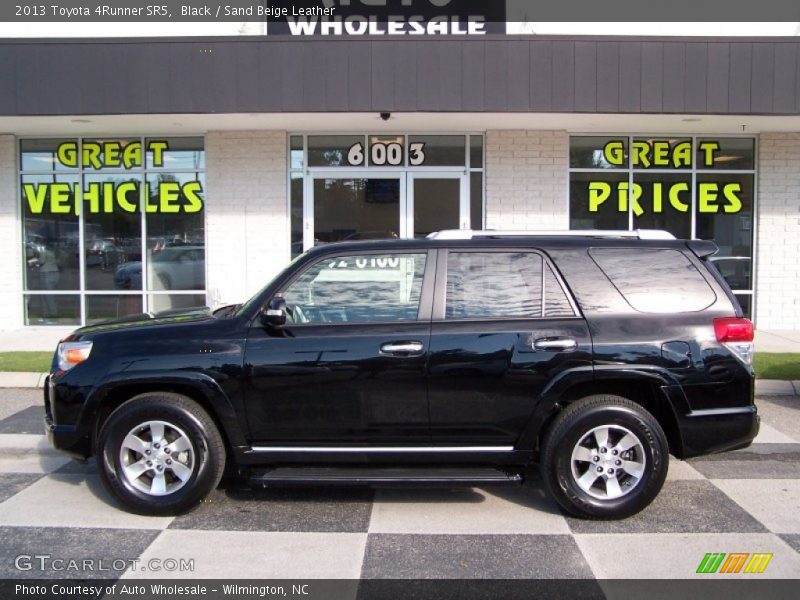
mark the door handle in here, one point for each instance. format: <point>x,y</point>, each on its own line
<point>402,348</point>
<point>555,344</point>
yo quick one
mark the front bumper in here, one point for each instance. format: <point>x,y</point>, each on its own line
<point>719,430</point>
<point>67,438</point>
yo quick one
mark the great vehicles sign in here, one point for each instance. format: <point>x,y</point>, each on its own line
<point>117,193</point>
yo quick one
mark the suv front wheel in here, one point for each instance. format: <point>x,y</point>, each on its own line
<point>160,454</point>
<point>604,457</point>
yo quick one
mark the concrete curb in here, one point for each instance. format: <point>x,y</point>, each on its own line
<point>764,387</point>
<point>12,379</point>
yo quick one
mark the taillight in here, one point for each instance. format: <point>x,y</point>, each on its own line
<point>737,335</point>
<point>733,329</point>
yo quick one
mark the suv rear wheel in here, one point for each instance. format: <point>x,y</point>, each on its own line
<point>160,453</point>
<point>604,457</point>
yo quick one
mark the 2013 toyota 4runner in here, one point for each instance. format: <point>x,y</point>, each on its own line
<point>463,358</point>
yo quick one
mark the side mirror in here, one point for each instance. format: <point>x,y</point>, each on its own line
<point>274,313</point>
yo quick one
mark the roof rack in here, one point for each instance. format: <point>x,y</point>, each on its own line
<point>468,234</point>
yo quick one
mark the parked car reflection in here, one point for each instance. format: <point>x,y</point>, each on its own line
<point>735,270</point>
<point>173,268</point>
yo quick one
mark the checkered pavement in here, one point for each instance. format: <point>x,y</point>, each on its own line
<point>744,501</point>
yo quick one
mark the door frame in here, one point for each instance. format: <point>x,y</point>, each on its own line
<point>308,195</point>
<point>406,180</point>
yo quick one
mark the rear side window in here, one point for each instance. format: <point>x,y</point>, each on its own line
<point>503,285</point>
<point>655,280</point>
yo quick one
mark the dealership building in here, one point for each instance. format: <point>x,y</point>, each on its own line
<point>138,175</point>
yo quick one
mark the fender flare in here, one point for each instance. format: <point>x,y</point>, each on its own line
<point>671,393</point>
<point>202,384</point>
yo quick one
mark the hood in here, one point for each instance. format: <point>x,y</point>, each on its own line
<point>142,320</point>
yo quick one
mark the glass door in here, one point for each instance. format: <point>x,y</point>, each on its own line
<point>354,206</point>
<point>436,201</point>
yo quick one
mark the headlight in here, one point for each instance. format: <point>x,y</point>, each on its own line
<point>72,353</point>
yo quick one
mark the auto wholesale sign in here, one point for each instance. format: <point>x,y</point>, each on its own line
<point>386,17</point>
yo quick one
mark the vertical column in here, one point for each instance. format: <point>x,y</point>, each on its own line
<point>526,179</point>
<point>247,218</point>
<point>778,244</point>
<point>10,237</point>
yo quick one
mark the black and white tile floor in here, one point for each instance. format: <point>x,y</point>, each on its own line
<point>744,501</point>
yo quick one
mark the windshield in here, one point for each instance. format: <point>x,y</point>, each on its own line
<point>247,306</point>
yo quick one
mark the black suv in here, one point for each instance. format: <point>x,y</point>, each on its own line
<point>463,358</point>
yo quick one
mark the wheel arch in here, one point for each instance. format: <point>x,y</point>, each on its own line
<point>203,390</point>
<point>652,390</point>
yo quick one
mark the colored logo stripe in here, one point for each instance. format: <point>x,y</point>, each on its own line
<point>713,562</point>
<point>758,563</point>
<point>734,562</point>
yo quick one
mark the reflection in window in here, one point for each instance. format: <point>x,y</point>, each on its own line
<point>42,154</point>
<point>296,214</point>
<point>438,150</point>
<point>333,150</point>
<point>655,281</point>
<point>726,153</point>
<point>50,232</point>
<point>176,239</point>
<point>52,309</point>
<point>595,152</point>
<point>725,215</point>
<point>665,202</point>
<point>358,289</point>
<point>594,201</point>
<point>112,227</point>
<point>175,153</point>
<point>356,209</point>
<point>159,302</point>
<point>494,284</point>
<point>106,307</point>
<point>476,200</point>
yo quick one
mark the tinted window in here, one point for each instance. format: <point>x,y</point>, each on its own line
<point>358,289</point>
<point>655,281</point>
<point>494,284</point>
<point>556,303</point>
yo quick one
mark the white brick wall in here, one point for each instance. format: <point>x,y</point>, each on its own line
<point>10,238</point>
<point>777,264</point>
<point>247,220</point>
<point>526,179</point>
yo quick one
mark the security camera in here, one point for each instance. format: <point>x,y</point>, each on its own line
<point>386,116</point>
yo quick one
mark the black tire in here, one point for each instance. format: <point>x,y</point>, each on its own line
<point>205,460</point>
<point>574,426</point>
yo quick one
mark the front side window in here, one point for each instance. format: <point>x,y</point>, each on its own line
<point>363,288</point>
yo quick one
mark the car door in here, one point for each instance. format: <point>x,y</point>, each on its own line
<point>503,327</point>
<point>348,367</point>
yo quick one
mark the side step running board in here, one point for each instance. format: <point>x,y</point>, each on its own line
<point>383,475</point>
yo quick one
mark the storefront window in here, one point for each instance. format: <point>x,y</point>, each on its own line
<point>97,213</point>
<point>693,187</point>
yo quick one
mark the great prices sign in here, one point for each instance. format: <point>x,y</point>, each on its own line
<point>115,195</point>
<point>651,155</point>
